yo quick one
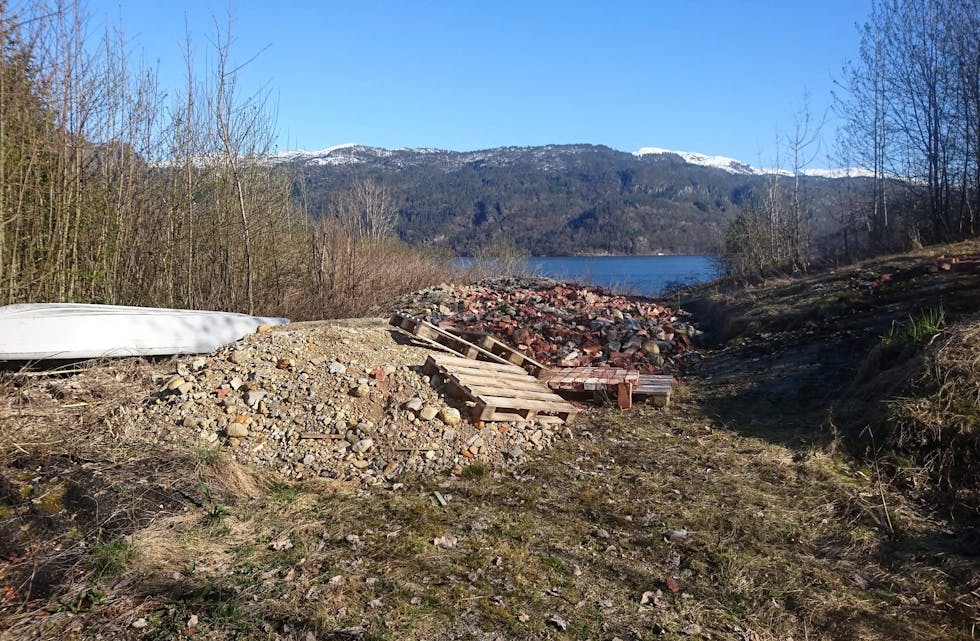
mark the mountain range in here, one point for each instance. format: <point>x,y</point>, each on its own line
<point>558,199</point>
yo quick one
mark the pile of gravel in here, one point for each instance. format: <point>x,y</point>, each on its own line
<point>337,400</point>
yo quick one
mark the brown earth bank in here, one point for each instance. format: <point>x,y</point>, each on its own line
<point>782,495</point>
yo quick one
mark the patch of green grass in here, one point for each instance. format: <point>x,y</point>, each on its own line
<point>86,600</point>
<point>214,510</point>
<point>283,492</point>
<point>474,470</point>
<point>111,557</point>
<point>203,455</point>
<point>918,330</point>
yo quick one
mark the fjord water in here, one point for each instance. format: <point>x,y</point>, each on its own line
<point>645,275</point>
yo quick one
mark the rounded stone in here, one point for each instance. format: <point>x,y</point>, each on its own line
<point>450,416</point>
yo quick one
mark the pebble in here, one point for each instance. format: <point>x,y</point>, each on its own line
<point>450,416</point>
<point>362,445</point>
<point>361,390</point>
<point>238,430</point>
<point>428,413</point>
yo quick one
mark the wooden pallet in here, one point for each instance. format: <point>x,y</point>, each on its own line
<point>500,391</point>
<point>511,355</point>
<point>626,383</point>
<point>441,339</point>
<point>656,387</point>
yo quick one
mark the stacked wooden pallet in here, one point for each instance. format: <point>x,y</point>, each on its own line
<point>625,383</point>
<point>500,391</point>
<point>500,382</point>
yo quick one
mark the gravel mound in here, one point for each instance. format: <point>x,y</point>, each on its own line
<point>343,400</point>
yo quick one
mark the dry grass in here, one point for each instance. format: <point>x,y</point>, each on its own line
<point>937,418</point>
<point>785,538</point>
<point>780,544</point>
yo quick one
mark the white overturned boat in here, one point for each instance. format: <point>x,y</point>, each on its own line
<point>76,331</point>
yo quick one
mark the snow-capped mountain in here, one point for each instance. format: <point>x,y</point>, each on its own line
<point>718,162</point>
<point>733,166</point>
<point>556,199</point>
<point>545,157</point>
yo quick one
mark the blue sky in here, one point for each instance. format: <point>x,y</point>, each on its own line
<point>717,77</point>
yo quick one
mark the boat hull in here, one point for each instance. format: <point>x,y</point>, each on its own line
<point>76,331</point>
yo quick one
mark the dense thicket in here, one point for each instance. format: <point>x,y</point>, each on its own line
<point>113,191</point>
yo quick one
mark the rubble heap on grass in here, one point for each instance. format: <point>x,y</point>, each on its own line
<point>344,401</point>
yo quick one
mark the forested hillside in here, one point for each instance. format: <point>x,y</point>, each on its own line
<point>558,199</point>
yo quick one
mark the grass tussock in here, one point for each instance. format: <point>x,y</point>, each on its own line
<point>937,419</point>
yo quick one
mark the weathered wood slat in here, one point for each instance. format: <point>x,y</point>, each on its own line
<point>427,331</point>
<point>492,344</point>
<point>533,395</point>
<point>522,403</point>
<point>481,365</point>
<point>469,379</point>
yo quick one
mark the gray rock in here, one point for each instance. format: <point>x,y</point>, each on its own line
<point>337,368</point>
<point>237,357</point>
<point>414,404</point>
<point>362,446</point>
<point>253,397</point>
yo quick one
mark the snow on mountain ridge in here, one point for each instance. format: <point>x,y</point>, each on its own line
<point>725,163</point>
<point>352,153</point>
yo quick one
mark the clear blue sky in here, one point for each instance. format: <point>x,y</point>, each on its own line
<point>712,76</point>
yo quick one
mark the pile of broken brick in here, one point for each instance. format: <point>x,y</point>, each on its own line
<point>967,263</point>
<point>571,325</point>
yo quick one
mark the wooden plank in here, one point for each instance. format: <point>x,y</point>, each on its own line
<point>493,344</point>
<point>533,395</point>
<point>432,366</point>
<point>513,403</point>
<point>467,362</point>
<point>495,376</point>
<point>433,344</point>
<point>424,329</point>
<point>488,412</point>
<point>484,381</point>
<point>485,413</point>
